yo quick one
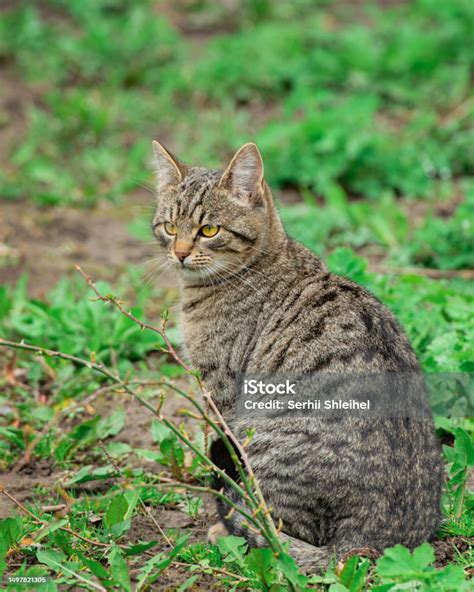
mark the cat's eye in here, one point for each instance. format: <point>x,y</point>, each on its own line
<point>170,228</point>
<point>209,230</point>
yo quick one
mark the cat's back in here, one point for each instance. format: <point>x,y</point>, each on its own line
<point>315,320</point>
<point>292,315</point>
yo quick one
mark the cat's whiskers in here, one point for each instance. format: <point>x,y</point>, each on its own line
<point>143,242</point>
<point>239,267</point>
<point>206,271</point>
<point>150,188</point>
<point>154,275</point>
<point>151,275</point>
<point>151,261</point>
<point>237,277</point>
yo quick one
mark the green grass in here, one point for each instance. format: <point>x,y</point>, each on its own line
<point>89,448</point>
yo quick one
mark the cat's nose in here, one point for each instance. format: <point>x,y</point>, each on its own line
<point>181,255</point>
<point>182,249</point>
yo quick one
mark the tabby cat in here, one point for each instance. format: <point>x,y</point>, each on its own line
<point>255,300</point>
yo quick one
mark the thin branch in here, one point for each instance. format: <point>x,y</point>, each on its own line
<point>115,378</point>
<point>248,491</point>
<point>118,303</point>
<point>245,460</point>
<point>222,434</point>
<point>202,489</point>
<point>25,510</point>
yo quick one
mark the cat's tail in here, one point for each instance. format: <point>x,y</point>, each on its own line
<point>309,558</point>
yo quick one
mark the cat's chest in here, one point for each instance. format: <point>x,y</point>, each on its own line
<point>217,337</point>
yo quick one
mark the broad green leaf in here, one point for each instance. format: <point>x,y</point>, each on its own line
<point>262,563</point>
<point>49,529</point>
<point>233,548</point>
<point>140,548</point>
<point>116,511</point>
<point>398,561</point>
<point>119,569</point>
<point>160,432</point>
<point>348,572</point>
<point>10,530</point>
<point>87,473</point>
<point>112,425</point>
<point>464,448</point>
<point>97,569</point>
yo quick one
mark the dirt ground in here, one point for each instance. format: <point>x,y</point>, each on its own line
<point>46,243</point>
<point>37,479</point>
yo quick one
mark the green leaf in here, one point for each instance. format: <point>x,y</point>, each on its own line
<point>290,570</point>
<point>57,562</point>
<point>160,432</point>
<point>119,569</point>
<point>97,569</point>
<point>87,473</point>
<point>233,548</point>
<point>464,448</point>
<point>398,562</point>
<point>112,425</point>
<point>140,548</point>
<point>42,413</point>
<point>10,530</point>
<point>158,563</point>
<point>262,563</point>
<point>49,529</point>
<point>451,579</point>
<point>132,497</point>
<point>348,572</point>
<point>14,435</point>
<point>116,511</point>
<point>358,583</point>
<point>118,448</point>
<point>52,559</point>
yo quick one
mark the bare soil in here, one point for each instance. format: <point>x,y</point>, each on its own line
<point>34,482</point>
<point>46,243</point>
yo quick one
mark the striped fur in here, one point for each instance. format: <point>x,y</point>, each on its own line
<point>255,300</point>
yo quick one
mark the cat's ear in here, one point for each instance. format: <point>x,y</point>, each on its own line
<point>168,169</point>
<point>244,175</point>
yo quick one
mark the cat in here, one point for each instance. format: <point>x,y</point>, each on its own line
<point>255,300</point>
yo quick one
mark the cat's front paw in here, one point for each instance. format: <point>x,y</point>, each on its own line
<point>216,531</point>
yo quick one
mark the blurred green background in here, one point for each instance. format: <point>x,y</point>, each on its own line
<point>362,110</point>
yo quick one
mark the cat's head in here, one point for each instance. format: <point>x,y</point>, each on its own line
<point>212,224</point>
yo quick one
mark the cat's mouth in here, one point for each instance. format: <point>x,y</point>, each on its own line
<point>191,266</point>
<point>193,270</point>
<point>194,265</point>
